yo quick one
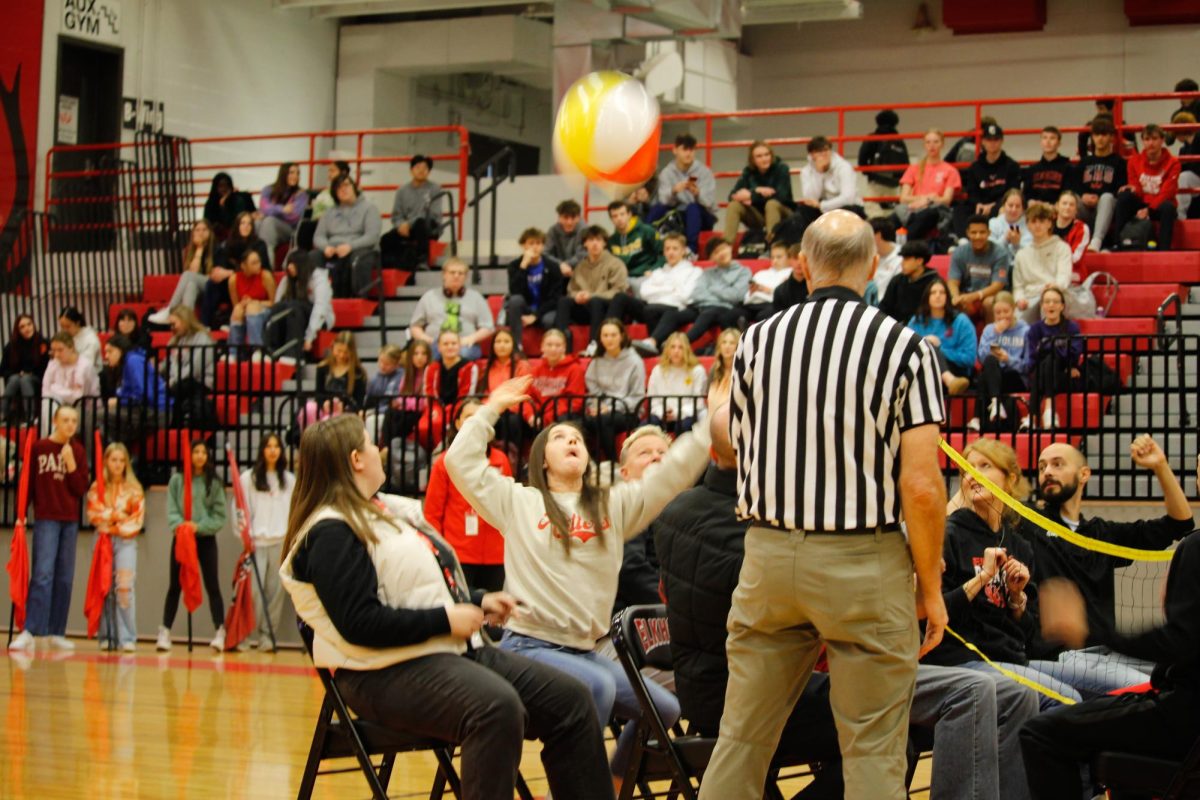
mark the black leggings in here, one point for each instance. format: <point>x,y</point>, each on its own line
<point>1051,376</point>
<point>995,381</point>
<point>206,551</point>
<point>484,576</point>
<point>606,427</point>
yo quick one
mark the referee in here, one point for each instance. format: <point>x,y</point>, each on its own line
<point>835,413</point>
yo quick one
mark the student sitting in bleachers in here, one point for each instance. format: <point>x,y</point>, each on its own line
<point>688,187</point>
<point>950,334</point>
<point>1152,188</point>
<point>505,362</point>
<point>26,355</point>
<point>664,295</point>
<point>564,240</point>
<point>411,400</point>
<point>1054,362</point>
<point>927,189</point>
<point>129,327</point>
<point>619,377</point>
<point>905,291</point>
<point>1002,354</point>
<point>793,290</point>
<point>758,303</point>
<point>383,387</point>
<point>348,238</point>
<point>189,369</point>
<point>979,270</point>
<point>1009,227</point>
<point>325,199</point>
<point>1066,227</point>
<point>135,394</point>
<point>225,263</point>
<point>252,292</point>
<point>225,204</point>
<point>719,291</point>
<point>68,376</point>
<point>281,207</point>
<point>597,290</point>
<point>1046,262</point>
<point>988,179</point>
<point>305,289</point>
<point>454,376</point>
<point>827,182</point>
<point>721,373</point>
<point>535,285</point>
<point>557,373</point>
<point>1045,180</point>
<point>416,219</point>
<point>197,266</point>
<point>456,307</point>
<point>762,196</point>
<point>341,380</point>
<point>677,373</point>
<point>87,341</point>
<point>889,259</point>
<point>633,241</point>
<point>1099,176</point>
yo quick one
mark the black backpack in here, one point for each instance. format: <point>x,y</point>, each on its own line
<point>892,151</point>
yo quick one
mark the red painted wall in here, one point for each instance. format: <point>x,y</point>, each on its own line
<point>20,74</point>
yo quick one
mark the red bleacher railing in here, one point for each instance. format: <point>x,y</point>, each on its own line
<point>204,170</point>
<point>708,145</point>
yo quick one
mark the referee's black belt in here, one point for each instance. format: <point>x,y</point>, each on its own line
<point>843,532</point>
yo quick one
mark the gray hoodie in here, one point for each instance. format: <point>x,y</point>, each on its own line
<point>357,225</point>
<point>623,377</point>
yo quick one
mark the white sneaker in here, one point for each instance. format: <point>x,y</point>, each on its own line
<point>61,643</point>
<point>647,346</point>
<point>1024,426</point>
<point>256,357</point>
<point>973,425</point>
<point>1049,419</point>
<point>590,350</point>
<point>129,647</point>
<point>160,317</point>
<point>23,641</point>
<point>218,642</point>
<point>993,409</point>
<point>164,639</point>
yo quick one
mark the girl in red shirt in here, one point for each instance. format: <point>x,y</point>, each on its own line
<point>252,291</point>
<point>558,373</point>
<point>505,363</point>
<point>480,547</point>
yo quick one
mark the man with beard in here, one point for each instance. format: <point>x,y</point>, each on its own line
<point>1063,473</point>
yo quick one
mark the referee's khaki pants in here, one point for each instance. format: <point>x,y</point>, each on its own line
<point>797,590</point>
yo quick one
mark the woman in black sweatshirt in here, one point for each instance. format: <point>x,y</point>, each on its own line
<point>987,588</point>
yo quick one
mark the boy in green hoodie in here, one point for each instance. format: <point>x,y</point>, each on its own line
<point>633,241</point>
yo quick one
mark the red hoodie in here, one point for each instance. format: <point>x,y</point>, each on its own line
<point>450,513</point>
<point>56,492</point>
<point>1154,183</point>
<point>566,377</point>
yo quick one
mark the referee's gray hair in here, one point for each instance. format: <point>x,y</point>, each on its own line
<point>837,242</point>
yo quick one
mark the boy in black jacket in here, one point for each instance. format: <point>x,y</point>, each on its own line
<point>1098,177</point>
<point>987,179</point>
<point>904,291</point>
<point>1046,180</point>
<point>535,284</point>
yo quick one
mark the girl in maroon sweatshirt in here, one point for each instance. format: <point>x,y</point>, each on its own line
<point>59,482</point>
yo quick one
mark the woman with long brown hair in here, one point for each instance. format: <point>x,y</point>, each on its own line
<point>564,540</point>
<point>281,207</point>
<point>197,266</point>
<point>391,613</point>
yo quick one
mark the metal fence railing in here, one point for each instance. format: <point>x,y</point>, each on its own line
<point>1126,385</point>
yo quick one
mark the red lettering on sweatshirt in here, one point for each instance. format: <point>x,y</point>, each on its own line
<point>581,528</point>
<point>993,590</point>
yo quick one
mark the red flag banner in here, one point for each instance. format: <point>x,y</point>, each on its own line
<point>240,620</point>
<point>189,565</point>
<point>239,497</point>
<point>18,554</point>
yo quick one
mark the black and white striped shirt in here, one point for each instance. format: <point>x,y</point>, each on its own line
<point>821,393</point>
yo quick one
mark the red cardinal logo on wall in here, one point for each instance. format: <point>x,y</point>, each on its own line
<point>581,528</point>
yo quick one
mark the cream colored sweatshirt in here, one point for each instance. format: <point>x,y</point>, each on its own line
<point>568,595</point>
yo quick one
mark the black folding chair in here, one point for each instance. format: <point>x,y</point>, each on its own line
<point>1125,774</point>
<point>641,638</point>
<point>341,735</point>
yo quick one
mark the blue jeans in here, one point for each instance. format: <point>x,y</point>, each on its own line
<point>121,604</point>
<point>1096,671</point>
<point>53,574</point>
<point>696,218</point>
<point>607,682</point>
<point>1035,671</point>
<point>250,330</point>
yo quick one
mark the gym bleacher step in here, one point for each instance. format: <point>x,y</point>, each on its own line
<point>1155,364</point>
<point>1156,404</point>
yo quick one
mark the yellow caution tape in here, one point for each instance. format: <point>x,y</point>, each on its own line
<point>1086,542</point>
<point>1008,673</point>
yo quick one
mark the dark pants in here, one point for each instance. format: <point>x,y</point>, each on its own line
<point>962,212</point>
<point>484,576</point>
<point>408,252</point>
<point>215,295</point>
<point>351,274</point>
<point>1128,204</point>
<point>995,381</point>
<point>289,328</point>
<point>592,313</point>
<point>1051,376</point>
<point>757,312</point>
<point>605,427</point>
<point>487,701</point>
<point>661,320</point>
<point>206,551</point>
<point>946,365</point>
<point>924,222</point>
<point>696,218</point>
<point>1055,743</point>
<point>709,317</point>
<point>515,306</point>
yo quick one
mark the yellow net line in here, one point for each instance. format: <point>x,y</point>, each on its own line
<point>1008,673</point>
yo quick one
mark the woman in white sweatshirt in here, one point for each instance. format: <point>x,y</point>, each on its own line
<point>676,376</point>
<point>267,487</point>
<point>390,613</point>
<point>564,539</point>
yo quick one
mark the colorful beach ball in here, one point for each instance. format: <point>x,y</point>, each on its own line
<point>608,130</point>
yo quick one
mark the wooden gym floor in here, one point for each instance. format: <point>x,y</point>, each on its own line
<point>172,725</point>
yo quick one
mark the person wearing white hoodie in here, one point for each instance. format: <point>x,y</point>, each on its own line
<point>664,295</point>
<point>1046,262</point>
<point>267,487</point>
<point>617,377</point>
<point>828,181</point>
<point>564,540</point>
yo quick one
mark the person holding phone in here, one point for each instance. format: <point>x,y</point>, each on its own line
<point>1003,359</point>
<point>687,187</point>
